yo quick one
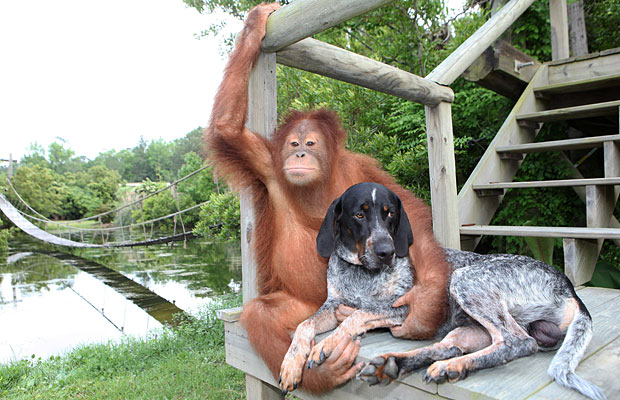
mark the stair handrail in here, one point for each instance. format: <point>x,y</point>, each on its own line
<point>472,48</point>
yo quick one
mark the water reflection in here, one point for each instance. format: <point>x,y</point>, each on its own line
<point>51,303</point>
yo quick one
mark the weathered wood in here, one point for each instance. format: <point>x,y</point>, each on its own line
<point>541,231</point>
<point>593,66</point>
<point>503,69</point>
<point>302,19</point>
<point>598,369</point>
<point>599,82</point>
<point>331,61</point>
<point>262,119</point>
<point>458,61</point>
<point>580,256</point>
<point>229,314</point>
<point>586,111</point>
<point>559,145</point>
<point>549,183</point>
<point>559,29</point>
<point>442,174</point>
<point>577,29</point>
<point>256,389</point>
<point>522,378</point>
<point>479,210</point>
<point>241,355</point>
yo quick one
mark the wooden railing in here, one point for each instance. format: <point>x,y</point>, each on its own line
<point>287,33</point>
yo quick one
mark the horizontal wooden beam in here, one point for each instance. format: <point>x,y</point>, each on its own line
<point>559,145</point>
<point>541,231</point>
<point>549,183</point>
<point>331,61</point>
<point>305,18</point>
<point>460,59</point>
<point>585,111</point>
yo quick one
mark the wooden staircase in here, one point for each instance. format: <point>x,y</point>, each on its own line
<point>577,90</point>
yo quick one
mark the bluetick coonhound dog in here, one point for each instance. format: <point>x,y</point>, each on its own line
<point>502,307</point>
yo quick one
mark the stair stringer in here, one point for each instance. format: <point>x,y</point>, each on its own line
<point>475,210</point>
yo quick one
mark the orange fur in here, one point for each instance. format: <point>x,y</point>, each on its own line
<point>291,275</point>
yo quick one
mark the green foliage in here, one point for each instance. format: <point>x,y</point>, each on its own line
<point>602,24</point>
<point>5,235</point>
<point>40,187</point>
<point>220,218</point>
<point>186,362</point>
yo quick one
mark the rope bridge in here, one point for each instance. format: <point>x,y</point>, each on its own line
<point>22,220</point>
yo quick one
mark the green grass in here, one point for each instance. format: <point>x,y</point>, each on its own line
<point>187,362</point>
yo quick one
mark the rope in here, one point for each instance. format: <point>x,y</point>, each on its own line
<point>116,209</point>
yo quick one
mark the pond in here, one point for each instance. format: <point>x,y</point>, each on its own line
<point>53,299</point>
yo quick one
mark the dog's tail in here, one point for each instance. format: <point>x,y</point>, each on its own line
<point>563,365</point>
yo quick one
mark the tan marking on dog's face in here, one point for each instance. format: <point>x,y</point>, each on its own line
<point>571,307</point>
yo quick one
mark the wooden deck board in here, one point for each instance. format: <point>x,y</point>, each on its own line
<point>559,145</point>
<point>518,379</point>
<point>541,231</point>
<point>549,183</point>
<point>560,114</point>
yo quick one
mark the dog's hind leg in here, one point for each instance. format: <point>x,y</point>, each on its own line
<point>387,367</point>
<point>508,340</point>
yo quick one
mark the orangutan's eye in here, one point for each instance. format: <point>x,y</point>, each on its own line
<point>294,143</point>
<point>310,143</point>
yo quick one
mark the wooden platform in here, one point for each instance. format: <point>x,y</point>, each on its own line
<point>520,379</point>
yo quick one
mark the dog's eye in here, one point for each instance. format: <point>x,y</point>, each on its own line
<point>391,214</point>
<point>359,215</point>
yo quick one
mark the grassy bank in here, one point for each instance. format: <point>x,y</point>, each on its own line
<point>187,362</point>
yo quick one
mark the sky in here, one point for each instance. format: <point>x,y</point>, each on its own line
<point>101,74</point>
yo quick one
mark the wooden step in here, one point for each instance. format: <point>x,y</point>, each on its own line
<point>561,114</point>
<point>541,231</point>
<point>497,188</point>
<point>599,82</point>
<point>559,145</point>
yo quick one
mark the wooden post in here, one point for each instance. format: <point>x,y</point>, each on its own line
<point>10,165</point>
<point>262,119</point>
<point>559,29</point>
<point>577,29</point>
<point>443,175</point>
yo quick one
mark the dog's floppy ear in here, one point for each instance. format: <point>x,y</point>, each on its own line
<point>326,239</point>
<point>404,236</point>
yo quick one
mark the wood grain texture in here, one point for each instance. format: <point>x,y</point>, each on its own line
<point>262,119</point>
<point>541,231</point>
<point>560,145</point>
<point>491,168</point>
<point>585,111</point>
<point>459,60</point>
<point>558,17</point>
<point>442,169</point>
<point>331,61</point>
<point>549,183</point>
<point>302,19</point>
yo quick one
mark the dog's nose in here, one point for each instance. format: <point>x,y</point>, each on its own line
<point>384,251</point>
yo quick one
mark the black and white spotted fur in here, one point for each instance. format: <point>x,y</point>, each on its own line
<point>515,305</point>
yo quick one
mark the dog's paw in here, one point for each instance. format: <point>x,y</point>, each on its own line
<point>381,370</point>
<point>292,367</point>
<point>451,370</point>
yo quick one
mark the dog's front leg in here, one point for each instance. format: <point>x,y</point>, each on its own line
<point>358,323</point>
<point>295,358</point>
